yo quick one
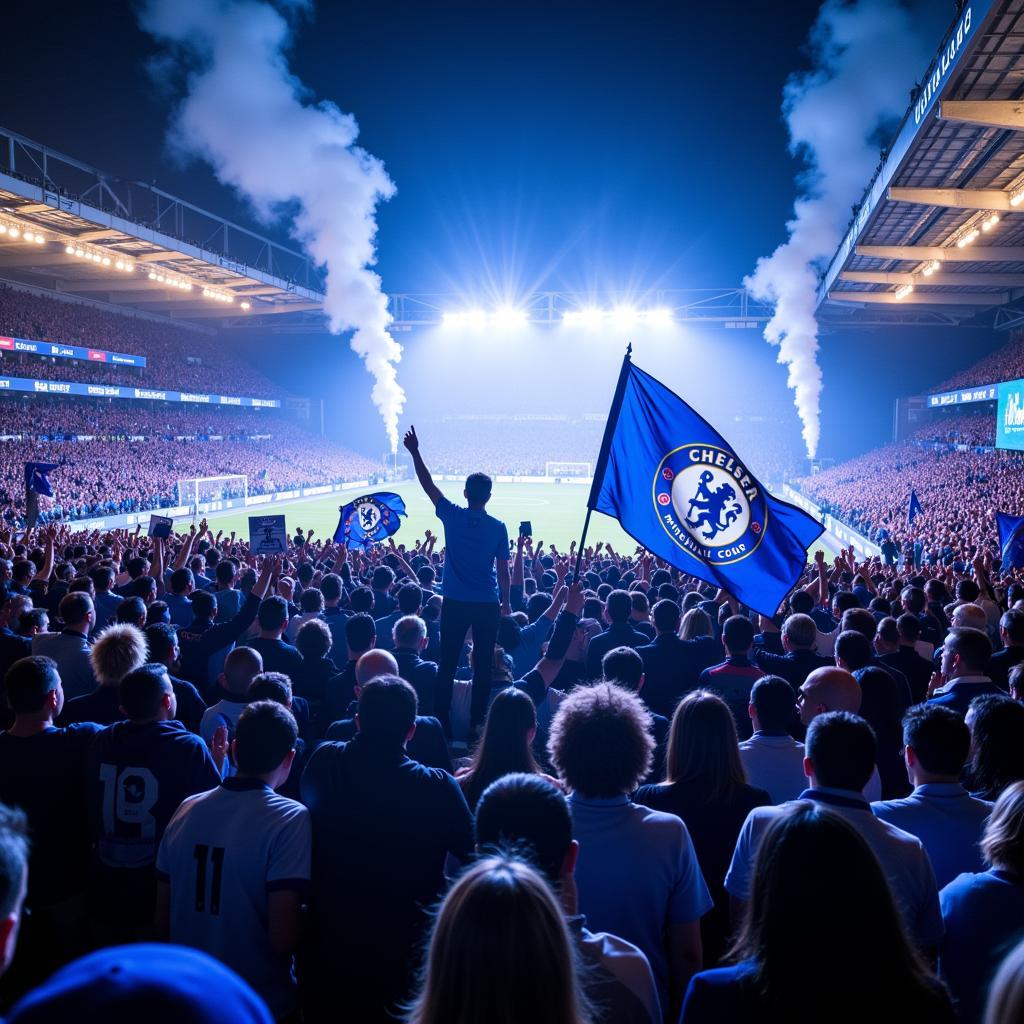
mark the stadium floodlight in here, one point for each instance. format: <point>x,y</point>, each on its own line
<point>464,318</point>
<point>660,316</point>
<point>903,291</point>
<point>965,240</point>
<point>13,232</point>
<point>245,305</point>
<point>106,261</point>
<point>40,238</point>
<point>508,316</point>
<point>3,229</point>
<point>69,249</point>
<point>990,222</point>
<point>80,253</point>
<point>930,268</point>
<point>1018,197</point>
<point>624,316</point>
<point>589,316</point>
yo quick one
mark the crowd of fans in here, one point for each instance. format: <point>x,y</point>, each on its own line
<point>627,797</point>
<point>1006,363</point>
<point>977,429</point>
<point>134,454</point>
<point>177,358</point>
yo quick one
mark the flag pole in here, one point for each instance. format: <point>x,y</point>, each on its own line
<point>602,458</point>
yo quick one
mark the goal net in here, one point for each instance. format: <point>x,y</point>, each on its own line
<point>567,469</point>
<point>202,490</point>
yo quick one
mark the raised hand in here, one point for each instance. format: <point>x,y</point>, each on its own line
<point>411,441</point>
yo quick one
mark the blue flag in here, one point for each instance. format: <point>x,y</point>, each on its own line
<point>369,519</point>
<point>678,488</point>
<point>36,480</point>
<point>1011,540</point>
<point>915,507</point>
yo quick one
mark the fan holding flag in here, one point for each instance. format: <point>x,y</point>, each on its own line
<point>370,519</point>
<point>37,482</point>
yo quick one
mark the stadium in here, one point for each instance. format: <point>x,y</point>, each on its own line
<point>534,552</point>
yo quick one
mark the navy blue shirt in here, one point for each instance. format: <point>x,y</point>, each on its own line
<point>473,541</point>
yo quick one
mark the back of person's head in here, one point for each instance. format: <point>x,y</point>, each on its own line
<point>537,605</point>
<point>800,603</point>
<point>665,615</point>
<point>264,736</point>
<point>478,488</point>
<point>500,950</point>
<point>909,627</point>
<point>118,651</point>
<point>801,631</point>
<point>409,599</point>
<point>225,572</point>
<point>361,600</point>
<point>161,639</point>
<point>311,601</point>
<point>854,649</point>
<point>13,865</point>
<point>997,743</point>
<point>600,740</point>
<point>241,666</point>
<point>387,710</point>
<point>738,634</point>
<point>204,605</point>
<point>939,737</point>
<point>157,611</point>
<point>144,587</point>
<point>774,703</point>
<point>137,566</point>
<point>331,587</point>
<point>74,609</point>
<point>696,623</point>
<point>1006,993</point>
<point>131,610</point>
<point>969,616</point>
<point>528,814</point>
<point>703,748</point>
<point>859,620</point>
<point>28,682</point>
<point>844,600</point>
<point>1002,844</point>
<point>1012,623</point>
<point>102,578</point>
<point>142,692</point>
<point>812,870</point>
<point>618,606</point>
<point>888,631</point>
<point>313,639</point>
<point>504,746</point>
<point>181,580</point>
<point>973,646</point>
<point>410,631</point>
<point>360,632</point>
<point>622,665</point>
<point>913,599</point>
<point>967,591</point>
<point>373,663</point>
<point>841,747</point>
<point>382,578</point>
<point>275,686</point>
<point>273,614</point>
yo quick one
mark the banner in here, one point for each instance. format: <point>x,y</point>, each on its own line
<point>267,535</point>
<point>60,387</point>
<point>49,348</point>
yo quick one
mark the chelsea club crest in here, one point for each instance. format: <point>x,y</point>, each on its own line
<point>709,504</point>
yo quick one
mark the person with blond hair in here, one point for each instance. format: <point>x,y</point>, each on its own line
<point>117,651</point>
<point>984,912</point>
<point>500,950</point>
<point>638,875</point>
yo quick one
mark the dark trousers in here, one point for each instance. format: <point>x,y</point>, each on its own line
<point>457,619</point>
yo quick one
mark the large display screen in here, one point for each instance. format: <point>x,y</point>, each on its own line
<point>981,393</point>
<point>1010,415</point>
<point>62,387</point>
<point>50,348</point>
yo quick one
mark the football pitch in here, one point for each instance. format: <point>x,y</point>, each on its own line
<point>555,511</point>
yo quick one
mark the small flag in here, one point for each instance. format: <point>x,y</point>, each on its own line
<point>1011,540</point>
<point>370,519</point>
<point>36,483</point>
<point>915,507</point>
<point>678,488</point>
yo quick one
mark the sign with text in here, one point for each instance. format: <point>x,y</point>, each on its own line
<point>267,535</point>
<point>1010,415</point>
<point>61,387</point>
<point>58,351</point>
<point>160,526</point>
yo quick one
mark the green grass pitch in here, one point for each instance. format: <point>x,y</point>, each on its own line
<point>556,512</point>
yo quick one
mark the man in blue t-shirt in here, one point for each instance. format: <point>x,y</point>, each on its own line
<point>476,575</point>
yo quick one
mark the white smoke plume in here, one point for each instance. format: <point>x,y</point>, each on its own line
<point>866,54</point>
<point>253,121</point>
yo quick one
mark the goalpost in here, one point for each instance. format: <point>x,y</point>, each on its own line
<point>583,470</point>
<point>200,490</point>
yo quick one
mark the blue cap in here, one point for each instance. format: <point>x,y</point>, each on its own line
<point>150,982</point>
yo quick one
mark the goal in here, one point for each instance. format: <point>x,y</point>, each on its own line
<point>568,469</point>
<point>200,490</point>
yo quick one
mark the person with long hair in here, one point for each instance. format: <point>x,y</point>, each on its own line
<point>696,623</point>
<point>505,745</point>
<point>984,911</point>
<point>1006,997</point>
<point>822,937</point>
<point>706,785</point>
<point>500,952</point>
<point>997,745</point>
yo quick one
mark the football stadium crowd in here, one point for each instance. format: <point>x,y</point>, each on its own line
<point>1006,363</point>
<point>463,779</point>
<point>177,358</point>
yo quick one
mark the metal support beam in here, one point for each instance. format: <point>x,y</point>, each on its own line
<point>985,113</point>
<point>924,298</point>
<point>945,254</point>
<point>954,198</point>
<point>938,278</point>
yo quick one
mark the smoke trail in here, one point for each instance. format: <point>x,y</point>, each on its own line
<point>865,56</point>
<point>252,120</point>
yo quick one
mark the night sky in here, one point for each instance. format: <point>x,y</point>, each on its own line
<point>597,146</point>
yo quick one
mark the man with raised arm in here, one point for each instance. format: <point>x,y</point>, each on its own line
<point>475,584</point>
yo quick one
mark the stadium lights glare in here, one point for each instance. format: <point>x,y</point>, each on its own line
<point>965,240</point>
<point>622,316</point>
<point>589,316</point>
<point>13,232</point>
<point>508,316</point>
<point>930,268</point>
<point>990,222</point>
<point>903,291</point>
<point>1017,198</point>
<point>465,318</point>
<point>245,305</point>
<point>656,316</point>
<point>69,249</point>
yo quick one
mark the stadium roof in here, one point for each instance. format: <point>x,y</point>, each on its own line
<point>941,225</point>
<point>71,228</point>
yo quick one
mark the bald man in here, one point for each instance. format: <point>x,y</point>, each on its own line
<point>834,689</point>
<point>241,666</point>
<point>427,743</point>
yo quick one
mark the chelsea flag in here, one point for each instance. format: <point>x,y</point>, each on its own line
<point>678,488</point>
<point>369,519</point>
